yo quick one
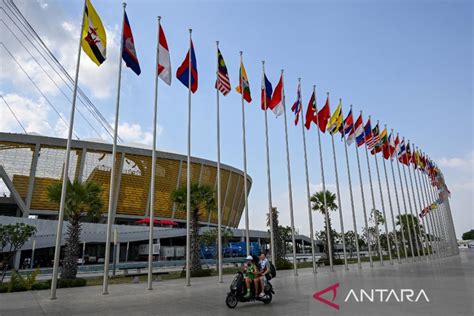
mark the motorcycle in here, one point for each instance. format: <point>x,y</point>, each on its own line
<point>238,291</point>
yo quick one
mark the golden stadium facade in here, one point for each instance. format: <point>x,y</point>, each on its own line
<point>29,164</point>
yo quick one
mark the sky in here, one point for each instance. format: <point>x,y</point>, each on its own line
<point>408,64</point>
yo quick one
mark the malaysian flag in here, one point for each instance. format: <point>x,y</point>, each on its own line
<point>222,82</point>
<point>375,139</point>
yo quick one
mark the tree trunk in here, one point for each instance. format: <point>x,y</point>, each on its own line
<point>195,254</point>
<point>72,248</point>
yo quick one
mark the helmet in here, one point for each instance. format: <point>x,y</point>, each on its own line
<point>249,258</point>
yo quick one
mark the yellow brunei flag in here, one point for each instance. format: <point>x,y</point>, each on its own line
<point>94,38</point>
<point>335,121</point>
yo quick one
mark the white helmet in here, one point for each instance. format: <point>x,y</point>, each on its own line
<point>249,258</point>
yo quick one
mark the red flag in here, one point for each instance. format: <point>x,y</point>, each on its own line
<point>323,116</point>
<point>311,112</point>
<point>276,103</point>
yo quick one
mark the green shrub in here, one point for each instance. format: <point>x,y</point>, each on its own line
<point>65,283</point>
<point>22,283</point>
<point>41,286</point>
<point>283,264</point>
<point>4,288</point>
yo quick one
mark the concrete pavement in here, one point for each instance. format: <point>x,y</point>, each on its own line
<point>447,283</point>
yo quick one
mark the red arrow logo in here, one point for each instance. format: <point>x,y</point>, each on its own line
<point>333,288</point>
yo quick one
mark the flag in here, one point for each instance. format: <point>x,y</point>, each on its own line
<point>311,112</point>
<point>408,154</point>
<point>129,54</point>
<point>368,132</point>
<point>336,119</point>
<point>396,146</point>
<point>164,65</point>
<point>359,131</point>
<point>348,127</point>
<point>94,38</point>
<point>389,147</point>
<point>276,103</point>
<point>183,71</point>
<point>402,153</point>
<point>378,146</point>
<point>322,117</point>
<point>222,81</point>
<point>375,137</point>
<point>296,108</point>
<point>267,91</point>
<point>244,84</point>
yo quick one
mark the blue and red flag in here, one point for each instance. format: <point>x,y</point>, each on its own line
<point>129,54</point>
<point>368,131</point>
<point>348,124</point>
<point>267,91</point>
<point>296,108</point>
<point>359,131</point>
<point>183,71</point>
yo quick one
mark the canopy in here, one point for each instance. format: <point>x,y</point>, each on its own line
<point>146,220</point>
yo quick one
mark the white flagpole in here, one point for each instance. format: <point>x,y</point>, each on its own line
<point>426,203</point>
<point>373,204</point>
<point>341,221</point>
<point>308,193</point>
<point>326,213</point>
<point>153,168</point>
<point>415,212</point>
<point>369,247</point>
<point>405,206</point>
<point>415,241</point>
<point>244,144</point>
<point>219,202</point>
<point>110,218</point>
<point>430,218</point>
<point>57,246</point>
<point>188,174</point>
<point>420,207</point>
<point>383,206</point>
<point>398,206</point>
<point>351,196</point>
<point>390,205</point>
<point>290,193</point>
<point>269,181</point>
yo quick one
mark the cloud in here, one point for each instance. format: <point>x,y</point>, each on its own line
<point>458,162</point>
<point>133,134</point>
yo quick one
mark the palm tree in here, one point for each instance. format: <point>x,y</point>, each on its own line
<point>202,202</point>
<point>83,201</point>
<point>317,204</point>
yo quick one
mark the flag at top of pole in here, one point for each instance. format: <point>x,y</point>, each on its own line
<point>129,54</point>
<point>276,103</point>
<point>183,71</point>
<point>336,119</point>
<point>94,38</point>
<point>348,126</point>
<point>311,111</point>
<point>267,91</point>
<point>359,131</point>
<point>244,86</point>
<point>296,108</point>
<point>164,62</point>
<point>222,81</point>
<point>323,116</point>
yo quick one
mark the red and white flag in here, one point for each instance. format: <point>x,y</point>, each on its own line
<point>164,65</point>
<point>276,103</point>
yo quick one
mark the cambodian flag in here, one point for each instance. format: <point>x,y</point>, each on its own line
<point>129,54</point>
<point>183,71</point>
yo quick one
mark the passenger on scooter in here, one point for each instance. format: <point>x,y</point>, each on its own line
<point>261,279</point>
<point>250,270</point>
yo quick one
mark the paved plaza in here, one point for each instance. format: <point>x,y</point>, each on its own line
<point>448,284</point>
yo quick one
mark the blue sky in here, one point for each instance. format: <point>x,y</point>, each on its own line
<point>407,63</point>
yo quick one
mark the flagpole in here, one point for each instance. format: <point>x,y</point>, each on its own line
<point>420,201</point>
<point>369,247</point>
<point>326,214</point>
<point>110,218</point>
<point>409,202</point>
<point>57,246</point>
<point>391,206</point>
<point>430,218</point>
<point>219,202</point>
<point>383,206</point>
<point>188,173</point>
<point>420,206</point>
<point>405,206</point>
<point>339,198</point>
<point>351,195</point>
<point>398,204</point>
<point>269,181</point>
<point>308,193</point>
<point>290,193</point>
<point>427,203</point>
<point>153,169</point>
<point>441,233</point>
<point>244,143</point>
<point>373,204</point>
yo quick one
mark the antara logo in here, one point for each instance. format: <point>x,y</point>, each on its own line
<point>386,295</point>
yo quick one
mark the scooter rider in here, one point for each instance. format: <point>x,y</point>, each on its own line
<point>250,269</point>
<point>261,279</point>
